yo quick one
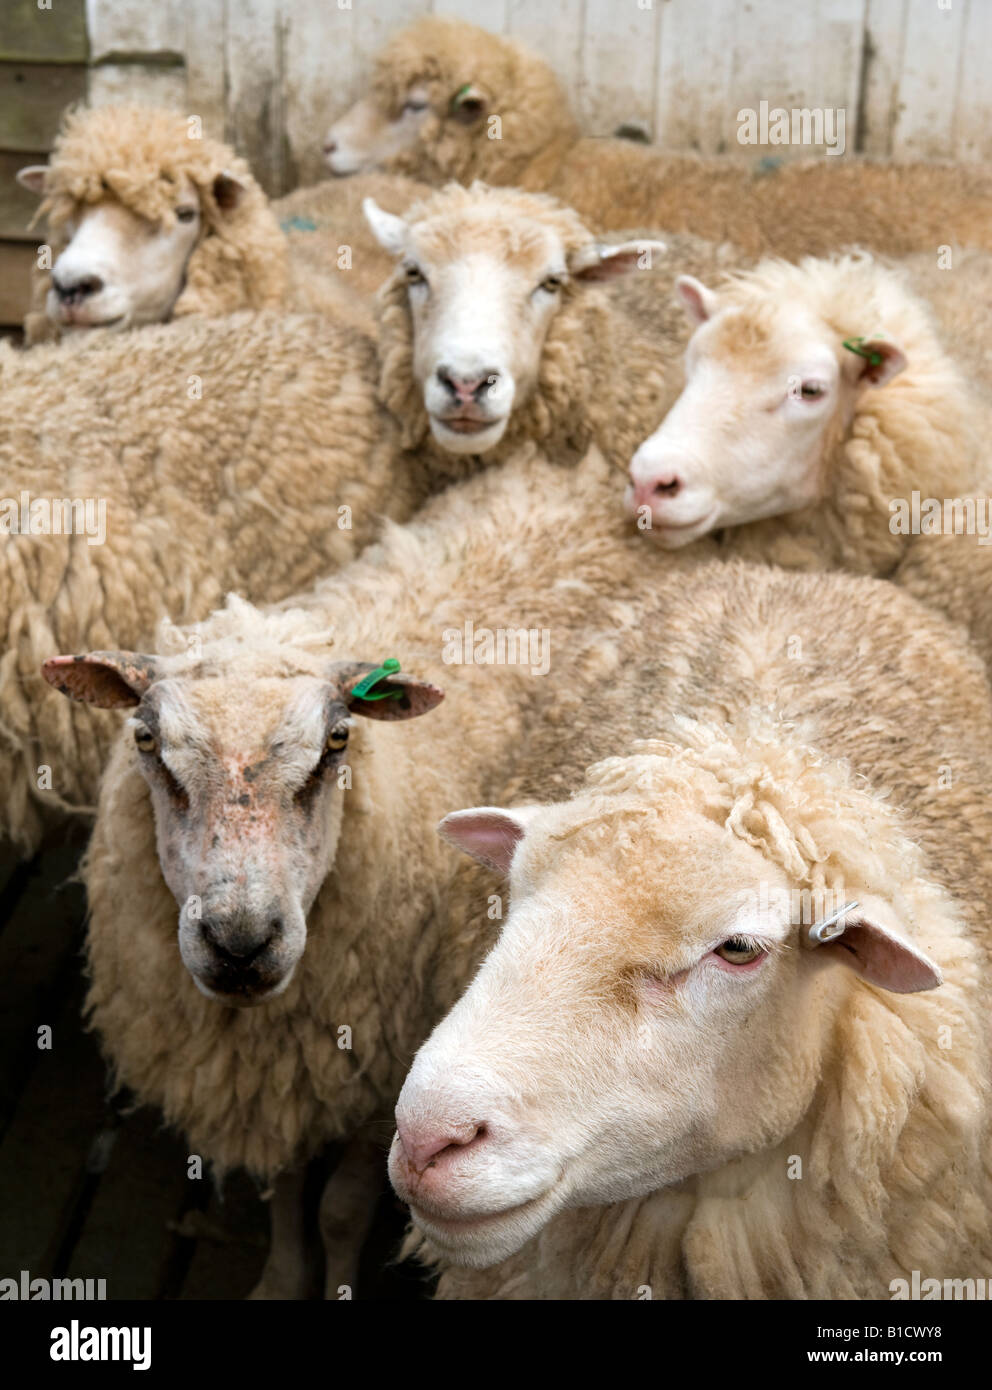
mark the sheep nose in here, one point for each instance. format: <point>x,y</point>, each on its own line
<point>655,489</point>
<point>71,292</point>
<point>330,146</point>
<point>236,943</point>
<point>467,389</point>
<point>426,1143</point>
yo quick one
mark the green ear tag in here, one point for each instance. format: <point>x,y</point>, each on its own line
<point>388,668</point>
<point>854,345</point>
<point>459,94</point>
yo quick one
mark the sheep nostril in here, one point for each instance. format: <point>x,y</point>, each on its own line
<point>667,487</point>
<point>330,146</point>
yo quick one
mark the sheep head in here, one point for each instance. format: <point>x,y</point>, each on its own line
<point>148,220</point>
<point>654,1008</point>
<point>491,329</point>
<point>448,100</point>
<point>246,759</point>
<point>777,370</point>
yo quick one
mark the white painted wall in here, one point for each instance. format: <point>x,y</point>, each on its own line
<point>912,75</point>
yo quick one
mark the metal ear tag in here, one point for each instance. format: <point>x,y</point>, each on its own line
<point>831,927</point>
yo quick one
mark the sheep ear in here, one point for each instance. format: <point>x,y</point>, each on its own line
<point>389,230</point>
<point>469,104</point>
<point>873,947</point>
<point>110,680</point>
<point>228,191</point>
<point>488,833</point>
<point>880,361</point>
<point>597,262</point>
<point>396,695</point>
<point>32,177</point>
<point>700,302</point>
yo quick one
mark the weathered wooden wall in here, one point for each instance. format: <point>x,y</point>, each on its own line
<point>270,75</point>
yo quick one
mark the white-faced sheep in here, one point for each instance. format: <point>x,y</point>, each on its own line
<point>439,85</point>
<point>659,1084</point>
<point>148,219</point>
<point>818,399</point>
<point>288,431</point>
<point>233,767</point>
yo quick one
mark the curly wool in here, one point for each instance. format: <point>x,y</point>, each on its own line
<point>240,487</point>
<point>139,155</point>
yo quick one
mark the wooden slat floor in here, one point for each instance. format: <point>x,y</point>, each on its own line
<point>90,1187</point>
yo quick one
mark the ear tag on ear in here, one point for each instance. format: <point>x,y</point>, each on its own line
<point>388,668</point>
<point>831,927</point>
<point>456,99</point>
<point>854,345</point>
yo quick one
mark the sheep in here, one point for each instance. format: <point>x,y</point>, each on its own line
<point>217,245</point>
<point>494,309</point>
<point>952,570</point>
<point>316,441</point>
<point>783,439</point>
<point>242,452</point>
<point>653,1054</point>
<point>449,100</point>
<point>235,751</point>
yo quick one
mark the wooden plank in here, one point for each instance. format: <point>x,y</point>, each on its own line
<point>253,49</point>
<point>41,938</point>
<point>619,54</point>
<point>29,34</point>
<point>32,99</point>
<point>127,1230</point>
<point>112,83</point>
<point>232,1238</point>
<point>838,53</point>
<point>885,41</point>
<point>205,43</point>
<point>135,26</point>
<point>973,115</point>
<point>694,106</point>
<point>374,24</point>
<point>44,1154</point>
<point>323,75</point>
<point>17,260</point>
<point>17,205</point>
<point>555,34</point>
<point>929,81</point>
<point>491,16</point>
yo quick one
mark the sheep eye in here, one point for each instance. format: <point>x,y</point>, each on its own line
<point>145,741</point>
<point>416,104</point>
<point>414,275</point>
<point>551,284</point>
<point>737,950</point>
<point>812,390</point>
<point>337,738</point>
<point>185,214</point>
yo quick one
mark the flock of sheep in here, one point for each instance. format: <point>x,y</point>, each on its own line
<point>609,421</point>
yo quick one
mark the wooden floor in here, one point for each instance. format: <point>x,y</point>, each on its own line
<point>88,1186</point>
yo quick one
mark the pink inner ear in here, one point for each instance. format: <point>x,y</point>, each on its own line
<point>886,961</point>
<point>489,836</point>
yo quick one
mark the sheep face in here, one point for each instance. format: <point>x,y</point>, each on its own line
<point>650,1012</point>
<point>246,774</point>
<point>371,136</point>
<point>770,392</point>
<point>489,290</point>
